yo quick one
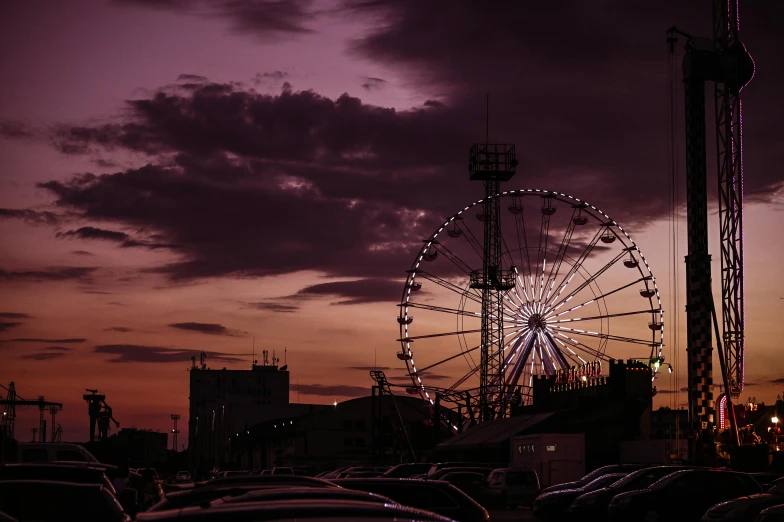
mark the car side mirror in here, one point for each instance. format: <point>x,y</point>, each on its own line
<point>129,499</point>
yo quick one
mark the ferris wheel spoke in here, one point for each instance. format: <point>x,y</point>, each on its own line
<point>555,352</point>
<point>596,298</point>
<point>541,256</point>
<point>522,241</point>
<point>445,334</point>
<point>649,311</point>
<point>442,309</point>
<point>459,263</point>
<point>470,294</point>
<point>567,278</point>
<point>588,350</point>
<point>471,238</point>
<point>591,279</point>
<point>597,335</point>
<point>514,376</point>
<point>450,358</point>
<point>555,266</point>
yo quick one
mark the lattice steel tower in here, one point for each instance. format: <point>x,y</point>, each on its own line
<point>492,163</point>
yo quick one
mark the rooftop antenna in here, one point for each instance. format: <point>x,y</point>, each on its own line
<point>285,356</point>
<point>253,361</point>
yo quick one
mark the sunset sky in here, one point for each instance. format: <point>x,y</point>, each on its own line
<point>183,176</point>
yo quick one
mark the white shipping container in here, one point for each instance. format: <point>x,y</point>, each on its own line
<point>556,457</point>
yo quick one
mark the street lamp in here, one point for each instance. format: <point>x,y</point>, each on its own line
<point>775,420</point>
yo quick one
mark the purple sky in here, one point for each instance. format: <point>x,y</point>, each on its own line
<point>183,176</point>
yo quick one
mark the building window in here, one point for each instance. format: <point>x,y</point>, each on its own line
<point>360,424</point>
<point>348,442</point>
<point>347,425</point>
<point>359,442</point>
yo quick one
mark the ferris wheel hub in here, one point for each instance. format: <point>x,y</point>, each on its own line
<point>536,322</point>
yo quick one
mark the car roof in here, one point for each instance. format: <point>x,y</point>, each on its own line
<point>268,494</point>
<point>58,483</point>
<point>266,479</point>
<point>284,510</point>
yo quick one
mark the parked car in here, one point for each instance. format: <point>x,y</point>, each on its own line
<point>683,495</point>
<point>205,492</point>
<point>743,509</point>
<point>593,505</point>
<point>471,483</point>
<point>511,487</point>
<point>51,500</point>
<point>56,472</point>
<point>766,479</point>
<point>295,510</point>
<point>282,471</point>
<point>438,475</point>
<point>432,495</point>
<point>52,452</point>
<point>182,476</point>
<point>407,470</point>
<point>279,479</point>
<point>555,504</point>
<point>595,474</point>
<point>442,465</point>
<point>772,514</point>
<point>270,494</point>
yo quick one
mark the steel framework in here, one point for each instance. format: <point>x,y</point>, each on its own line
<point>492,163</point>
<point>725,62</point>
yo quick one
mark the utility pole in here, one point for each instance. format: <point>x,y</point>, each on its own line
<point>175,417</point>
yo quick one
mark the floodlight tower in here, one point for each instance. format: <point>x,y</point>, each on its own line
<point>492,163</point>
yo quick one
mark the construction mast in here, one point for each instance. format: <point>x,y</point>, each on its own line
<point>725,62</point>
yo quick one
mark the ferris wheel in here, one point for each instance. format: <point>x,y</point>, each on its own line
<point>573,274</point>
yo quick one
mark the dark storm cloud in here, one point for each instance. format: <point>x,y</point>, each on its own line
<point>15,315</point>
<point>356,292</point>
<point>192,78</point>
<point>352,189</point>
<point>780,380</point>
<point>262,19</point>
<point>77,273</point>
<point>207,328</point>
<point>124,353</point>
<point>82,253</point>
<point>339,390</point>
<point>39,340</point>
<point>4,325</point>
<point>369,83</point>
<point>274,306</point>
<point>124,240</point>
<point>121,329</point>
<point>268,19</point>
<point>16,130</point>
<point>269,77</point>
<point>593,85</point>
<point>50,352</point>
<point>29,216</point>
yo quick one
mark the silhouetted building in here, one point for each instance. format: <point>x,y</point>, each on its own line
<point>608,409</point>
<point>359,431</point>
<point>225,402</point>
